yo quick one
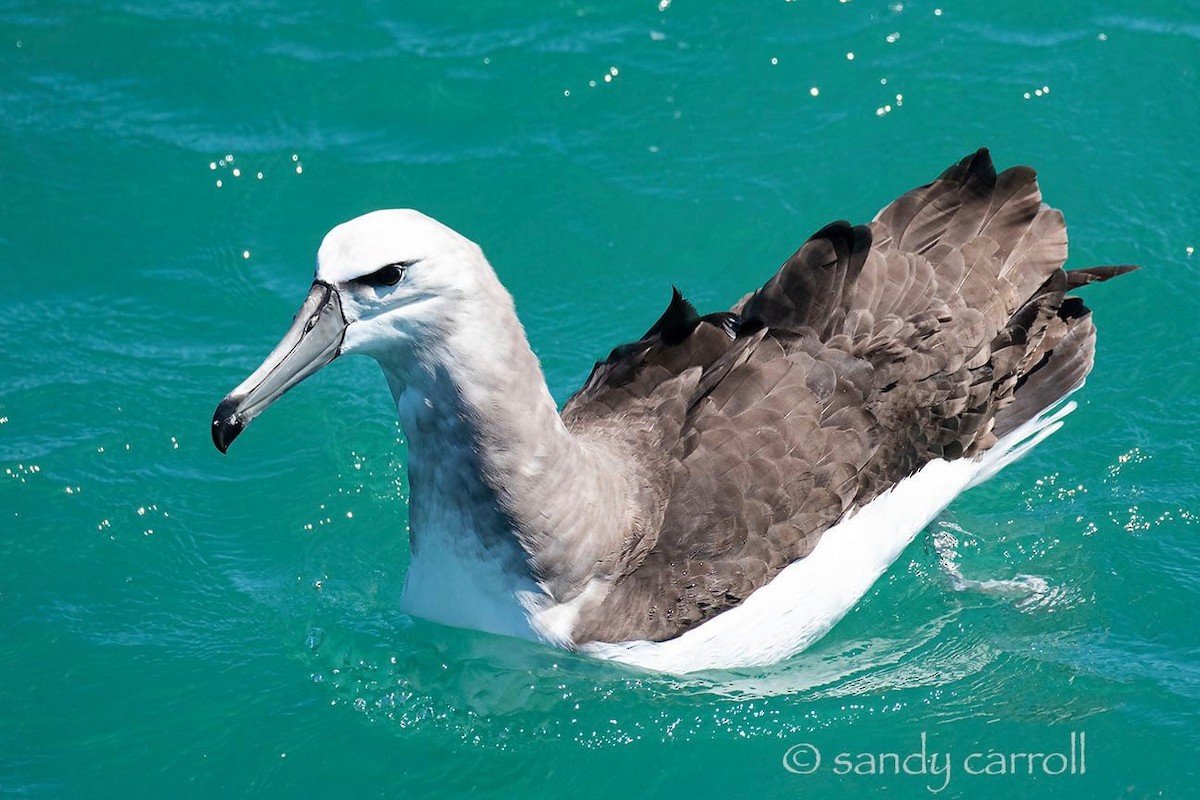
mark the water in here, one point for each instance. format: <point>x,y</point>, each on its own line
<point>179,623</point>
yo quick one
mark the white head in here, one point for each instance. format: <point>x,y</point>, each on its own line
<point>400,275</point>
<point>389,284</point>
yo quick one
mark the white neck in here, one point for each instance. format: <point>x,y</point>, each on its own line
<point>494,474</point>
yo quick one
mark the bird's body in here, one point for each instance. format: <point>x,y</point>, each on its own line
<point>721,491</point>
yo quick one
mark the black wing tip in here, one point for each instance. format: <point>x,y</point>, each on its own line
<point>980,163</point>
<point>846,239</point>
<point>677,322</point>
<point>977,165</point>
<point>1086,275</point>
<point>982,169</point>
<point>1072,308</point>
<point>838,229</point>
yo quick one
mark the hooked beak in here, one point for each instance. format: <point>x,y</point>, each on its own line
<point>314,340</point>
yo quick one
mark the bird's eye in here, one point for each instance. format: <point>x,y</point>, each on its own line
<point>387,276</point>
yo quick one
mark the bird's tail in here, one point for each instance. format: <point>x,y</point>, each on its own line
<point>1050,343</point>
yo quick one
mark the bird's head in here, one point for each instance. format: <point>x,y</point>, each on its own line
<point>387,284</point>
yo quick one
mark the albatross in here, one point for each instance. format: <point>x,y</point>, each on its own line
<point>720,492</point>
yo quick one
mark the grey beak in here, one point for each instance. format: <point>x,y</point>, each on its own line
<point>314,340</point>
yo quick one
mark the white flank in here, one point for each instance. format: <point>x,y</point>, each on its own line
<point>808,597</point>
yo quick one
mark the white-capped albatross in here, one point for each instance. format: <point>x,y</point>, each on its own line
<point>723,490</point>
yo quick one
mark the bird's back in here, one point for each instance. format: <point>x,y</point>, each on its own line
<point>927,334</point>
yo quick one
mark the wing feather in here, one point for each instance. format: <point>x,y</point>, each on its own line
<point>873,350</point>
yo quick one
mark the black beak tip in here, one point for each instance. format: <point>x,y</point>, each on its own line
<point>227,423</point>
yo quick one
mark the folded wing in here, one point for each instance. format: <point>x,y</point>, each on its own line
<point>875,349</point>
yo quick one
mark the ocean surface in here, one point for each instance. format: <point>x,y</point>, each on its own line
<point>177,623</point>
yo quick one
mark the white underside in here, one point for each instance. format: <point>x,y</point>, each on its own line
<point>807,598</point>
<point>460,586</point>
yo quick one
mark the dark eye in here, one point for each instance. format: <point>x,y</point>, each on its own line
<point>387,276</point>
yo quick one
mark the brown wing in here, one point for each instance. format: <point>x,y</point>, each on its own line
<point>872,351</point>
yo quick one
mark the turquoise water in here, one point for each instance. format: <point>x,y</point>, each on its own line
<point>177,623</point>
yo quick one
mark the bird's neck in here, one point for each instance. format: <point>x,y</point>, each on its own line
<point>492,468</point>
